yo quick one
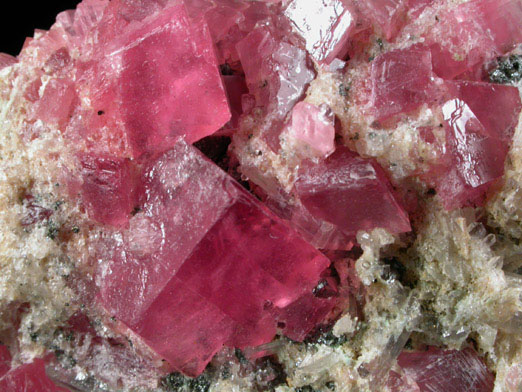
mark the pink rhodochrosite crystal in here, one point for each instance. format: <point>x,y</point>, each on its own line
<point>439,370</point>
<point>477,139</point>
<point>325,25</point>
<point>352,193</point>
<point>313,127</point>
<point>206,265</point>
<point>247,195</point>
<point>154,101</point>
<point>401,81</point>
<point>29,377</point>
<point>107,189</point>
<point>472,33</point>
<point>387,15</point>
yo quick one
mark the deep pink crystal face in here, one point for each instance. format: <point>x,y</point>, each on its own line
<point>164,75</point>
<point>438,370</point>
<point>477,139</point>
<point>352,193</point>
<point>108,189</point>
<point>325,25</point>
<point>206,265</point>
<point>29,377</point>
<point>154,93</point>
<point>401,81</point>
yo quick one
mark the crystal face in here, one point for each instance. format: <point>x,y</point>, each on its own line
<point>401,81</point>
<point>26,377</point>
<point>449,371</point>
<point>215,267</point>
<point>352,193</point>
<point>326,26</point>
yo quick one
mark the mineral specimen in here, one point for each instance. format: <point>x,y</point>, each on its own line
<point>283,195</point>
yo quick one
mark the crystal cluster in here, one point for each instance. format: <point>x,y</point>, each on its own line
<point>250,175</point>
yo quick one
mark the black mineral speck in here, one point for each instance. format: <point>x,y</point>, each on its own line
<point>509,70</point>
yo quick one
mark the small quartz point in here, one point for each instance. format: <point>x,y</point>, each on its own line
<point>205,265</point>
<point>437,370</point>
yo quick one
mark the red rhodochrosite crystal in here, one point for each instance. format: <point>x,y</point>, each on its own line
<point>325,25</point>
<point>5,360</point>
<point>56,104</point>
<point>29,377</point>
<point>401,81</point>
<point>205,264</point>
<point>352,193</point>
<point>477,139</point>
<point>107,189</point>
<point>439,370</point>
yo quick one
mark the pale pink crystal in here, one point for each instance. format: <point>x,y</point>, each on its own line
<point>401,81</point>
<point>108,189</point>
<point>352,193</point>
<point>276,71</point>
<point>439,370</point>
<point>314,127</point>
<point>325,25</point>
<point>56,105</point>
<point>220,268</point>
<point>388,15</point>
<point>472,33</point>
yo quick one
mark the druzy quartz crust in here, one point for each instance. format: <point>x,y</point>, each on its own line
<point>268,195</point>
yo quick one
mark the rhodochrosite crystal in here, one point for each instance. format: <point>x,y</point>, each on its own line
<point>205,264</point>
<point>143,93</point>
<point>401,81</point>
<point>313,127</point>
<point>325,26</point>
<point>352,193</point>
<point>477,138</point>
<point>28,377</point>
<point>438,370</point>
